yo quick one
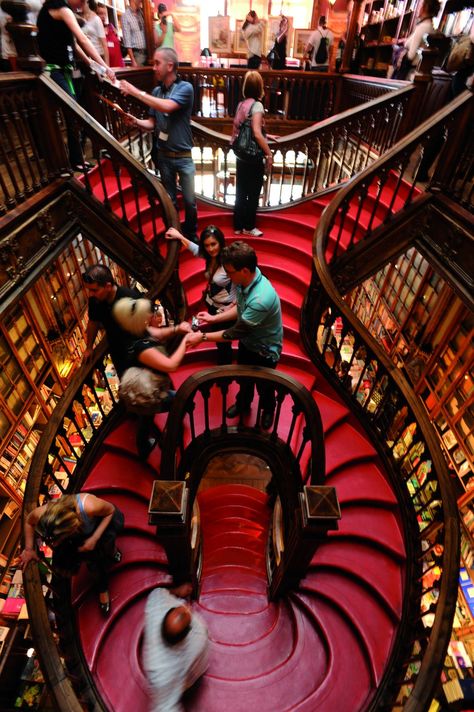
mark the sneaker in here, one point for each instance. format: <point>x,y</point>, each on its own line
<point>236,410</point>
<point>254,232</point>
<point>267,419</point>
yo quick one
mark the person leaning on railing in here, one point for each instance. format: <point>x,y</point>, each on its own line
<point>141,321</point>
<point>78,528</point>
<point>60,41</point>
<point>220,293</point>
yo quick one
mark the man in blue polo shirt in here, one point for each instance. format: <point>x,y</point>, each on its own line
<point>170,105</point>
<point>258,327</point>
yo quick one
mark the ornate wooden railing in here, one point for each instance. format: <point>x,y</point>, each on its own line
<point>33,155</point>
<point>308,161</point>
<point>197,428</point>
<point>84,416</point>
<point>289,95</point>
<point>385,402</point>
<point>81,419</point>
<point>384,196</point>
<point>304,163</point>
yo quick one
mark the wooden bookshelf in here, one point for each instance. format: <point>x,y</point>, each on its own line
<point>384,23</point>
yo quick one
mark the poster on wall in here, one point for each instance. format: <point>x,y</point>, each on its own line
<point>220,38</point>
<point>300,42</point>
<point>240,45</point>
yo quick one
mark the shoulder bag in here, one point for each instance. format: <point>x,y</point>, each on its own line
<point>245,146</point>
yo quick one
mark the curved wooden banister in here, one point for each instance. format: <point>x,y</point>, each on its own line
<point>45,642</point>
<point>306,162</point>
<point>204,380</point>
<point>323,306</point>
<point>143,184</point>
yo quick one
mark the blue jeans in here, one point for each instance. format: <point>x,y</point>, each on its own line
<point>170,169</point>
<point>73,143</point>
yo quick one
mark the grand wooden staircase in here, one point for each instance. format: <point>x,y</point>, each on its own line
<point>300,652</point>
<point>340,641</point>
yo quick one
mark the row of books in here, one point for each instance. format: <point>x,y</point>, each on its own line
<point>14,605</point>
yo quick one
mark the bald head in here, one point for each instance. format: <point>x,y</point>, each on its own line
<point>176,624</point>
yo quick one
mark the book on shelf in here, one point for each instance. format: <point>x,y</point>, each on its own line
<point>29,695</point>
<point>16,597</point>
<point>4,631</point>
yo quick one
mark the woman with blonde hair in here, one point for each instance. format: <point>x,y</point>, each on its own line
<point>145,388</point>
<point>80,527</point>
<point>249,178</point>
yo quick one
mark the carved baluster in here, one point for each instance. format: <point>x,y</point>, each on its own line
<point>8,156</point>
<point>296,410</point>
<point>118,178</point>
<point>206,394</point>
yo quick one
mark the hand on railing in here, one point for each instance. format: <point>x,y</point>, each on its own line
<point>26,556</point>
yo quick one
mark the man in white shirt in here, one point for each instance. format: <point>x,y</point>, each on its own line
<point>317,49</point>
<point>252,30</point>
<point>175,651</point>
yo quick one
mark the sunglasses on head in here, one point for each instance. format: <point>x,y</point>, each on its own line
<point>87,279</point>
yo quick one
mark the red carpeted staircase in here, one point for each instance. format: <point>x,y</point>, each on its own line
<point>325,646</point>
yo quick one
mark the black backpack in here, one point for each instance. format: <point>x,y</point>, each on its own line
<point>321,56</point>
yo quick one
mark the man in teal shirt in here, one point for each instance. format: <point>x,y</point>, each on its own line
<point>166,27</point>
<point>258,325</point>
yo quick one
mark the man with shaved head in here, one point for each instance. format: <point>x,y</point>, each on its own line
<point>176,648</point>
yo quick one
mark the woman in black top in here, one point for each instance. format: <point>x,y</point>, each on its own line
<point>279,48</point>
<point>59,39</point>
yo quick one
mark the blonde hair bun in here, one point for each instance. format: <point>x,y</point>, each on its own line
<point>133,315</point>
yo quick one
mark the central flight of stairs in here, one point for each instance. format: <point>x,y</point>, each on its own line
<point>325,646</point>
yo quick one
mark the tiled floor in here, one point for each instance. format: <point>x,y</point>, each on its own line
<point>237,468</point>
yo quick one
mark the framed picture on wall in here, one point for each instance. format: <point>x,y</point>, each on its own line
<point>240,45</point>
<point>220,38</point>
<point>300,41</point>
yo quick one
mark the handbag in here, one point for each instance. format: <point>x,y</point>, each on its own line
<point>245,146</point>
<point>144,391</point>
<point>461,55</point>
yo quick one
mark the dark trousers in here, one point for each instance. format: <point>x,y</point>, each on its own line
<point>73,143</point>
<point>245,357</point>
<point>247,192</point>
<point>224,348</point>
<point>254,62</point>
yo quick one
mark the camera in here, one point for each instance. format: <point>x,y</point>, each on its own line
<point>195,323</point>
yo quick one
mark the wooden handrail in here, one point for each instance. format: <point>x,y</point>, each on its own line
<point>305,162</point>
<point>283,384</point>
<point>46,646</point>
<point>390,382</point>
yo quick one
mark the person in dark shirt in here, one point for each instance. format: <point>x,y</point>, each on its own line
<point>60,40</point>
<point>279,48</point>
<point>103,294</point>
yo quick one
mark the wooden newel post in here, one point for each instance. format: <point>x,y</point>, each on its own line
<point>351,35</point>
<point>23,35</point>
<point>177,529</point>
<point>318,513</point>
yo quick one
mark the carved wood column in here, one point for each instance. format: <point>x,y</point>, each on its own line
<point>23,35</point>
<point>177,530</point>
<point>317,514</point>
<point>148,11</point>
<point>353,27</point>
